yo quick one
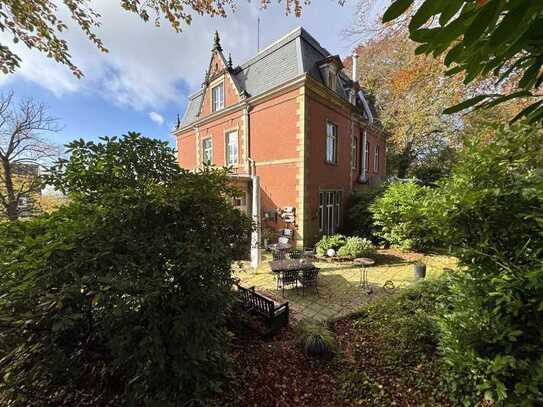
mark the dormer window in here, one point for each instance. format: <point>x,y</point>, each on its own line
<point>332,79</point>
<point>217,97</point>
<point>329,68</point>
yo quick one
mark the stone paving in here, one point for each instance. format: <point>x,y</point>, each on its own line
<point>339,291</point>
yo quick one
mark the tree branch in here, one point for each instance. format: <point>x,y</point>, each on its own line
<point>23,148</point>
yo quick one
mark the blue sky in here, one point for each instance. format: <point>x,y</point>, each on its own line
<point>143,82</point>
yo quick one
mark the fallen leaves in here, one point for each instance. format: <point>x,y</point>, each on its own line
<point>275,373</point>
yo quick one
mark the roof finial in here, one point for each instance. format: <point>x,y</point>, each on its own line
<point>178,121</point>
<point>229,62</point>
<point>216,42</point>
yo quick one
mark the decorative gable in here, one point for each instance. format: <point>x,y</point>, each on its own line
<point>220,88</point>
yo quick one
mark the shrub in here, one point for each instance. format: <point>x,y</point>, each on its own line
<point>131,163</point>
<point>357,247</point>
<point>402,216</point>
<point>492,216</point>
<point>358,388</point>
<point>329,242</point>
<point>491,338</point>
<point>358,217</point>
<point>121,299</point>
<point>316,340</point>
<point>398,335</point>
<point>493,202</point>
<point>406,321</point>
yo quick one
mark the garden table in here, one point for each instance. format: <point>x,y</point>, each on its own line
<point>364,262</point>
<point>280,250</point>
<point>289,272</point>
<point>278,266</point>
<point>280,246</point>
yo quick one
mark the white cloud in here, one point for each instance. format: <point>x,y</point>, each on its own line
<point>156,117</point>
<point>148,67</point>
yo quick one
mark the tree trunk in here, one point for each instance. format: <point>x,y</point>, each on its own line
<point>405,160</point>
<point>12,210</point>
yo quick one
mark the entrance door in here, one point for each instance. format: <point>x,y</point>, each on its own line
<point>329,211</point>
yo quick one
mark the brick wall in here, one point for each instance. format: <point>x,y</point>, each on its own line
<point>288,142</point>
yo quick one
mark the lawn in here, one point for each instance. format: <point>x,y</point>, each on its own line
<point>339,291</point>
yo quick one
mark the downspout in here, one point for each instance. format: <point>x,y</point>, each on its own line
<point>256,252</point>
<point>363,166</point>
<point>354,76</point>
<point>354,59</point>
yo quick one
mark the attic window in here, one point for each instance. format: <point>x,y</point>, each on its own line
<point>217,97</point>
<point>331,79</point>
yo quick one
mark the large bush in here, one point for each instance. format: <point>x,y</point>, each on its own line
<point>120,299</point>
<point>358,217</point>
<point>357,247</point>
<point>491,214</point>
<point>403,216</point>
<point>329,242</point>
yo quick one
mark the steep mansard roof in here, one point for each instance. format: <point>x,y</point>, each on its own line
<point>289,57</point>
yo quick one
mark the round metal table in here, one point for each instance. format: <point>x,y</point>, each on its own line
<point>281,248</point>
<point>364,263</point>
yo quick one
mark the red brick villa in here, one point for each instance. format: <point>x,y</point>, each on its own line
<point>297,131</point>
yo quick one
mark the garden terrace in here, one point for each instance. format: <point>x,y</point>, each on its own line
<point>339,291</point>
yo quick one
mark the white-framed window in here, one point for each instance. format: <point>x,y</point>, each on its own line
<point>353,152</point>
<point>217,97</point>
<point>329,211</point>
<point>331,143</point>
<point>376,159</point>
<point>231,148</point>
<point>207,150</point>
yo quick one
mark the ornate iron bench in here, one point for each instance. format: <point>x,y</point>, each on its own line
<point>274,313</point>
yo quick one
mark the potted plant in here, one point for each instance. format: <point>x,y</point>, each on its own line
<point>420,270</point>
<point>317,341</point>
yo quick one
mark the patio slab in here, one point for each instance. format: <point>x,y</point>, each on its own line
<point>339,291</point>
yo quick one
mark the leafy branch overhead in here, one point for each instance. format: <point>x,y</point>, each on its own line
<point>38,24</point>
<point>481,38</point>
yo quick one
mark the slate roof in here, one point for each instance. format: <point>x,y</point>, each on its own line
<point>289,57</point>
